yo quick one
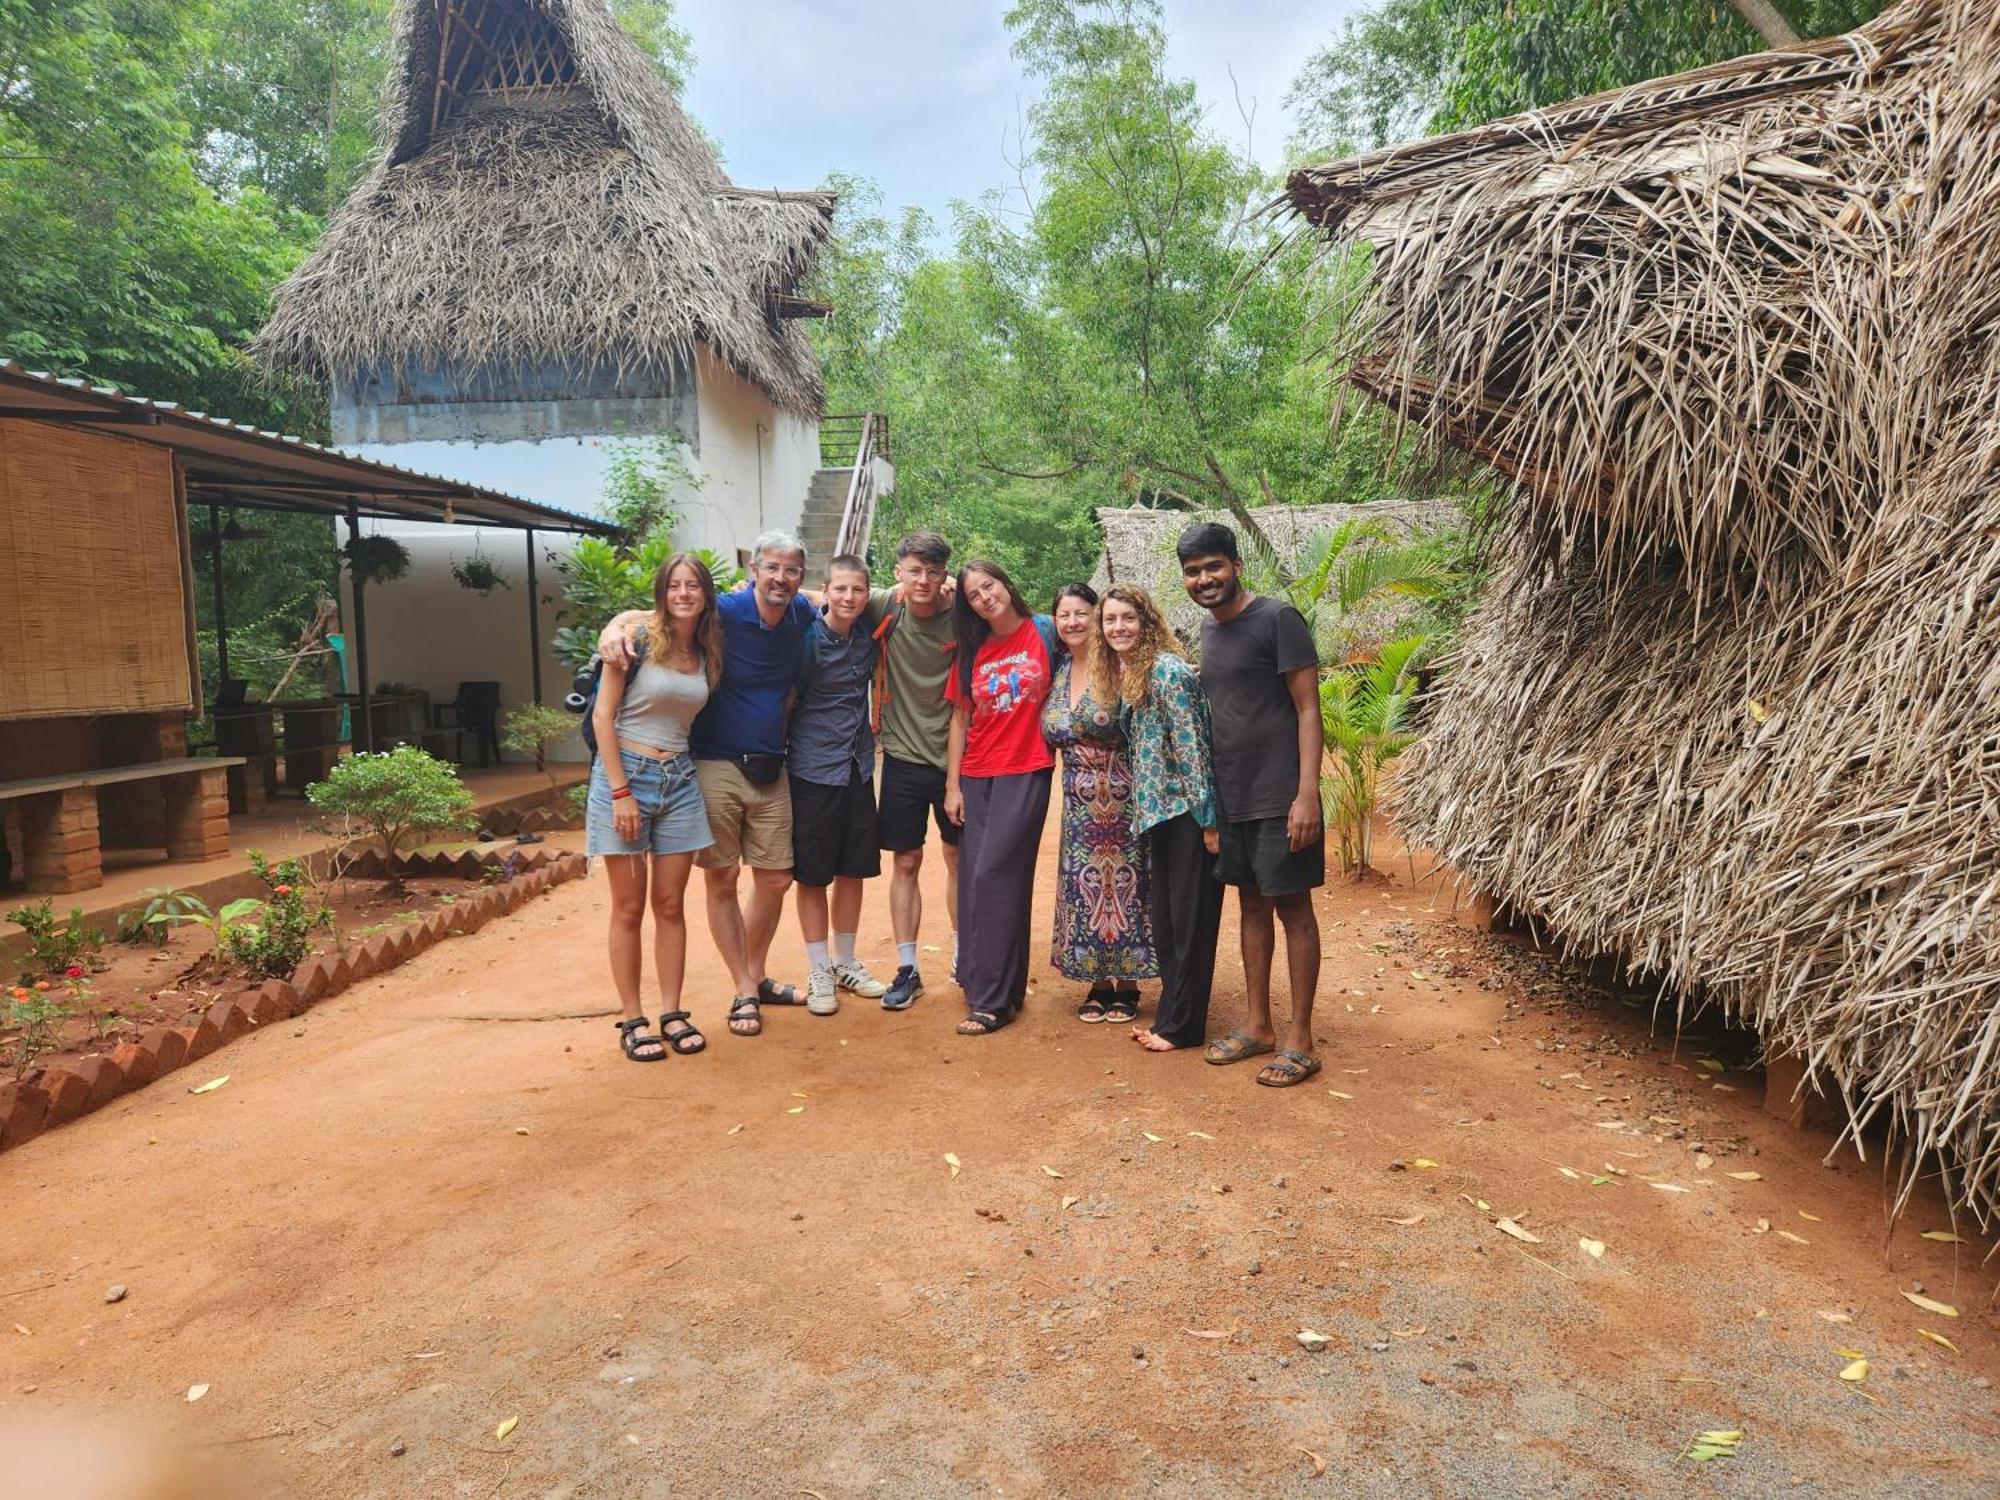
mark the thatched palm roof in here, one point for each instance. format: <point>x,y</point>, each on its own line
<point>1729,708</point>
<point>543,200</point>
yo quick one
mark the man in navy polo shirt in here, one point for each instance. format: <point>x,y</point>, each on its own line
<point>738,744</point>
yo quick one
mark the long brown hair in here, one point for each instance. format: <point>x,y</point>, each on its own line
<point>970,629</point>
<point>707,633</point>
<point>1113,679</point>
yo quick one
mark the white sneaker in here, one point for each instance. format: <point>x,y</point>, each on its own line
<point>821,999</point>
<point>853,976</point>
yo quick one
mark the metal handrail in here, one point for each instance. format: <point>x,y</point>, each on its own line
<point>857,512</point>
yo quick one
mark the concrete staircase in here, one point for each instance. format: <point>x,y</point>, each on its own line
<point>819,523</point>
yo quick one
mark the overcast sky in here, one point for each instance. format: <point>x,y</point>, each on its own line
<point>924,97</point>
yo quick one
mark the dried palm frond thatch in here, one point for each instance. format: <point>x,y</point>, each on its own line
<point>1730,708</point>
<point>578,223</point>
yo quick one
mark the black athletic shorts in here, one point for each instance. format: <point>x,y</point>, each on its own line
<point>833,832</point>
<point>1259,855</point>
<point>912,794</point>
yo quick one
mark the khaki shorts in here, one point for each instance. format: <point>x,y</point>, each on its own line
<point>752,824</point>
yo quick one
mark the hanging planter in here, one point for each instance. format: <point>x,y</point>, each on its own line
<point>479,575</point>
<point>375,559</point>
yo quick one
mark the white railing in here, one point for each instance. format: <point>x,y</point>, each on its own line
<point>857,513</point>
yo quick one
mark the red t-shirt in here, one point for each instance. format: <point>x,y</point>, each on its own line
<point>1010,681</point>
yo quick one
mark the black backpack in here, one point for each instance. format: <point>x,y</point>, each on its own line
<point>582,695</point>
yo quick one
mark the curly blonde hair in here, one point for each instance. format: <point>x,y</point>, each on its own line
<point>1114,679</point>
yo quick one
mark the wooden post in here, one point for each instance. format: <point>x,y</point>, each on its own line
<point>221,603</point>
<point>364,723</point>
<point>534,619</point>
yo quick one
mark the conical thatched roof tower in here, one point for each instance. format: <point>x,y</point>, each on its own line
<point>544,204</point>
<point>1730,708</point>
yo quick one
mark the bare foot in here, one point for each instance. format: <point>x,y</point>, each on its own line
<point>1153,1042</point>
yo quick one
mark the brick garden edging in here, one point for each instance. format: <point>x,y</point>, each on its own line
<point>69,1091</point>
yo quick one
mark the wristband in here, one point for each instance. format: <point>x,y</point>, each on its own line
<point>620,792</point>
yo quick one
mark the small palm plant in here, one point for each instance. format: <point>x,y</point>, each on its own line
<point>1365,708</point>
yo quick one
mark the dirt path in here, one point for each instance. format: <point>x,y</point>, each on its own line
<point>435,1204</point>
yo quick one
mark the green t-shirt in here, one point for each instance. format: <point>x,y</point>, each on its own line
<point>916,721</point>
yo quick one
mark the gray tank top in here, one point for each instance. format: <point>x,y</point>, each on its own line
<point>659,705</point>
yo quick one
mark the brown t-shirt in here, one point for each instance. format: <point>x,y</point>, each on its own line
<point>1243,667</point>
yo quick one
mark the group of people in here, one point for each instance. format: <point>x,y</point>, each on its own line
<point>743,729</point>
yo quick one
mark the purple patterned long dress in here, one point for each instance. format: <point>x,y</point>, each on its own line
<point>1103,926</point>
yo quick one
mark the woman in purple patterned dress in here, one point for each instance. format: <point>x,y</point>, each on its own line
<point>1103,928</point>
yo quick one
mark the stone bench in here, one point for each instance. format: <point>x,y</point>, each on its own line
<point>59,823</point>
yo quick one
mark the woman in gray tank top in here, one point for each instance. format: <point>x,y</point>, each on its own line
<point>645,814</point>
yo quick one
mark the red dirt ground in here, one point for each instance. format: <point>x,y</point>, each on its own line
<point>442,1201</point>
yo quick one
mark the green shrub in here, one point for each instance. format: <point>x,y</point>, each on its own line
<point>53,945</point>
<point>397,796</point>
<point>532,728</point>
<point>35,1016</point>
<point>273,946</point>
<point>165,905</point>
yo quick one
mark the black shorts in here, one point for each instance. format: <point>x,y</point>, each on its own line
<point>911,794</point>
<point>1258,854</point>
<point>833,832</point>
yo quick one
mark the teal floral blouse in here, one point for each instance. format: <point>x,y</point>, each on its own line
<point>1172,772</point>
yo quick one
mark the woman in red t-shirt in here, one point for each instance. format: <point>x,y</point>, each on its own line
<point>996,786</point>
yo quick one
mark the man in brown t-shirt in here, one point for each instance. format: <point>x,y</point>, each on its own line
<point>1260,670</point>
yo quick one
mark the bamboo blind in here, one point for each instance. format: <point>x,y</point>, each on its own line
<point>93,608</point>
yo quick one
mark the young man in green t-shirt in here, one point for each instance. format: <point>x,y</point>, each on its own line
<point>918,648</point>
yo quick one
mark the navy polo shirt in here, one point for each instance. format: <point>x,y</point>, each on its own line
<point>760,666</point>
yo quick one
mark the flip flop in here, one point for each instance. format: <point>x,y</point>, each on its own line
<point>1234,1048</point>
<point>769,992</point>
<point>1289,1067</point>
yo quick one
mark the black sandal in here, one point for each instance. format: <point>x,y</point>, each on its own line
<point>1122,1006</point>
<point>1091,1012</point>
<point>770,992</point>
<point>983,1023</point>
<point>677,1040</point>
<point>744,1008</point>
<point>632,1035</point>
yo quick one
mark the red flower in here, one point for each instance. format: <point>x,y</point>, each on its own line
<point>281,890</point>
<point>74,971</point>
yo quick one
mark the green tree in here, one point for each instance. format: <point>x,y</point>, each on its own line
<point>1405,68</point>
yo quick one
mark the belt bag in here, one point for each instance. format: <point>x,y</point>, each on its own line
<point>760,770</point>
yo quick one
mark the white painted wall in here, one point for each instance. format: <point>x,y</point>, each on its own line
<point>567,472</point>
<point>756,461</point>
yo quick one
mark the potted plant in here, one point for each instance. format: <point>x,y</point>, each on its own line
<point>375,559</point>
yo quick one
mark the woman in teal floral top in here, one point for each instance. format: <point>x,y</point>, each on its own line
<point>1138,666</point>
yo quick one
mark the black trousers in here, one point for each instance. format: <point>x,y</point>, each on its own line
<point>1187,913</point>
<point>996,886</point>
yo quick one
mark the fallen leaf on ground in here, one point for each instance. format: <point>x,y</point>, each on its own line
<point>1572,1176</point>
<point>1318,1463</point>
<point>1408,1333</point>
<point>1856,1370</point>
<point>1942,1309</point>
<point>1703,1161</point>
<point>520,1130</point>
<point>796,1109</point>
<point>1593,1248</point>
<point>1070,1202</point>
<point>500,1432</point>
<point>1312,1342</point>
<point>952,1162</point>
<point>1208,1333</point>
<point>1763,1227</point>
<point>1943,1236</point>
<point>1201,1135</point>
<point>211,1086</point>
<point>1508,1226</point>
<point>1815,1218</point>
<point>1599,1181</point>
<point>1423,1162</point>
<point>1835,1317</point>
<point>1796,1239</point>
<point>1710,1063</point>
<point>196,1392</point>
<point>1338,1095</point>
<point>1610,1124</point>
<point>1671,1187</point>
<point>797,1095</point>
<point>24,1330</point>
<point>1746,1176</point>
<point>1151,1137</point>
<point>1937,1338</point>
<point>1705,1447</point>
<point>1050,1171</point>
<point>1850,1354</point>
<point>1406,1223</point>
<point>732,1130</point>
<point>1418,974</point>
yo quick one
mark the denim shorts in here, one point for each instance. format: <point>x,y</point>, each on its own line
<point>672,817</point>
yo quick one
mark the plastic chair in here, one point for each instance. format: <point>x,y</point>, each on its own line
<point>475,710</point>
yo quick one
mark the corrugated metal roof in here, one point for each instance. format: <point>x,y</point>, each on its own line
<point>233,463</point>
